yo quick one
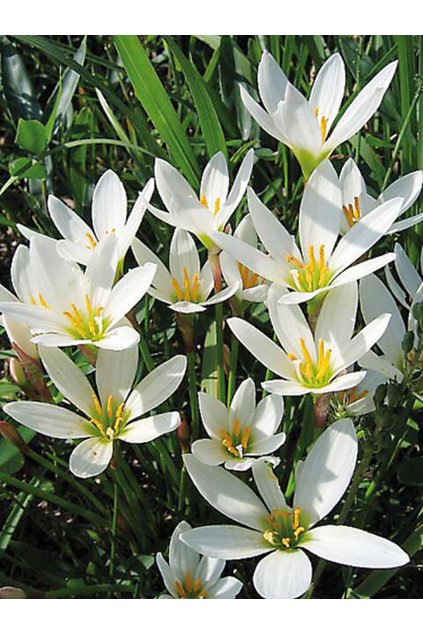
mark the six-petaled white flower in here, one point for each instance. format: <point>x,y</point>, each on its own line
<point>108,213</point>
<point>282,532</point>
<point>311,363</point>
<point>212,209</point>
<point>323,262</point>
<point>304,125</point>
<point>189,576</point>
<point>64,306</point>
<point>186,286</point>
<point>111,412</point>
<point>240,434</point>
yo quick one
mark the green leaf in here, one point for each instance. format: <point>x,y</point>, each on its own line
<point>154,99</point>
<point>11,459</point>
<point>26,168</point>
<point>209,121</point>
<point>411,472</point>
<point>31,136</point>
<point>209,371</point>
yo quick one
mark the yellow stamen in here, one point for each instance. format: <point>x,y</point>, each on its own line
<point>97,405</point>
<point>296,521</point>
<point>177,289</point>
<point>322,256</point>
<point>32,298</point>
<point>311,258</point>
<point>188,581</point>
<point>286,542</point>
<point>291,259</point>
<point>269,536</point>
<point>323,128</point>
<point>186,285</point>
<point>89,305</point>
<point>43,301</point>
<point>195,287</point>
<point>216,206</point>
<point>109,406</point>
<point>357,211</point>
<point>180,590</point>
<point>236,427</point>
<point>203,201</point>
<point>292,356</point>
<point>245,437</point>
<point>348,213</point>
<point>91,240</point>
<point>227,440</point>
<point>298,531</point>
<point>305,352</point>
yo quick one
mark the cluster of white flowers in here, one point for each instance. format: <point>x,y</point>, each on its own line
<point>74,292</point>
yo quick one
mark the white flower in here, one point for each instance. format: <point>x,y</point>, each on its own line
<point>410,287</point>
<point>322,263</point>
<point>214,206</point>
<point>252,288</point>
<point>281,532</point>
<point>112,412</point>
<point>108,212</point>
<point>356,202</point>
<point>186,286</point>
<point>311,363</point>
<point>358,400</point>
<point>374,300</point>
<point>189,576</point>
<point>304,125</point>
<point>64,306</point>
<point>243,432</point>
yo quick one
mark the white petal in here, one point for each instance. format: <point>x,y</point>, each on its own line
<point>115,373</point>
<point>209,570</point>
<point>371,361</point>
<point>336,321</point>
<point>109,205</point>
<point>157,386</point>
<point>264,120</point>
<point>101,270</point>
<point>407,187</point>
<point>268,415</point>
<point>35,316</point>
<point>290,325</point>
<point>272,82</point>
<point>162,278</point>
<point>264,446</point>
<point>364,234</point>
<point>226,493</point>
<point>50,420</point>
<point>264,349</point>
<point>406,271</point>
<point>68,379</point>
<point>285,388</point>
<point>363,107</point>
<point>327,471</point>
<point>73,251</point>
<point>119,338</point>
<point>20,334</point>
<point>19,273</point>
<point>214,415</point>
<point>283,575</point>
<point>129,291</point>
<point>405,224</point>
<point>296,120</point>
<point>238,188</point>
<point>268,485</point>
<point>215,181</point>
<point>187,307</point>
<point>168,576</point>
<point>271,231</point>
<point>183,256</point>
<point>328,89</point>
<point>374,300</point>
<point>230,270</point>
<point>68,223</point>
<point>172,187</point>
<point>343,382</point>
<point>147,429</point>
<point>58,341</point>
<point>243,403</point>
<point>181,558</point>
<point>358,271</point>
<point>222,296</point>
<point>129,231</point>
<point>319,212</point>
<point>210,452</point>
<point>361,343</point>
<point>354,547</point>
<point>226,542</point>
<point>226,588</point>
<point>91,457</point>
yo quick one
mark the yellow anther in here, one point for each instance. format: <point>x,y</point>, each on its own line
<point>296,520</point>
<point>236,427</point>
<point>186,285</point>
<point>99,311</point>
<point>321,352</point>
<point>88,305</point>
<point>91,240</point>
<point>188,581</point>
<point>226,439</point>
<point>311,258</point>
<point>323,128</point>
<point>349,214</point>
<point>109,406</point>
<point>322,256</point>
<point>216,206</point>
<point>292,356</point>
<point>249,279</point>
<point>309,275</point>
<point>195,287</point>
<point>322,276</point>
<point>269,536</point>
<point>177,289</point>
<point>316,111</point>
<point>97,424</point>
<point>203,202</point>
<point>298,531</point>
<point>356,211</point>
<point>286,541</point>
<point>97,405</point>
<point>291,259</point>
<point>197,585</point>
<point>245,437</point>
<point>43,301</point>
<point>233,451</point>
<point>180,590</point>
<point>119,410</point>
<point>305,352</point>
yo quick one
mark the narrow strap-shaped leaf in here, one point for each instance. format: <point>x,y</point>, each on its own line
<point>154,99</point>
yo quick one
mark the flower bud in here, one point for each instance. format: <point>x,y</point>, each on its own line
<point>183,435</point>
<point>17,373</point>
<point>8,592</point>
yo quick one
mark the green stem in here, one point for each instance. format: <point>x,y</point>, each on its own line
<point>219,346</point>
<point>233,366</point>
<point>193,404</point>
<point>102,588</point>
<point>114,529</point>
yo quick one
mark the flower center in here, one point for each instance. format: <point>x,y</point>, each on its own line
<point>87,322</point>
<point>285,529</point>
<point>189,290</point>
<point>249,279</point>
<point>310,373</point>
<point>323,123</point>
<point>110,418</point>
<point>352,213</point>
<point>311,275</point>
<point>236,441</point>
<point>190,588</point>
<point>205,204</point>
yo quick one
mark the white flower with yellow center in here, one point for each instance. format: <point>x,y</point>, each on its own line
<point>311,363</point>
<point>64,306</point>
<point>356,202</point>
<point>304,125</point>
<point>211,210</point>
<point>112,412</point>
<point>252,287</point>
<point>186,286</point>
<point>108,212</point>
<point>189,576</point>
<point>322,262</point>
<point>283,532</point>
<point>240,434</point>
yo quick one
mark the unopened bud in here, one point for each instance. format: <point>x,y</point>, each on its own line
<point>17,373</point>
<point>183,435</point>
<point>12,435</point>
<point>408,342</point>
<point>321,410</point>
<point>8,592</point>
<point>380,395</point>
